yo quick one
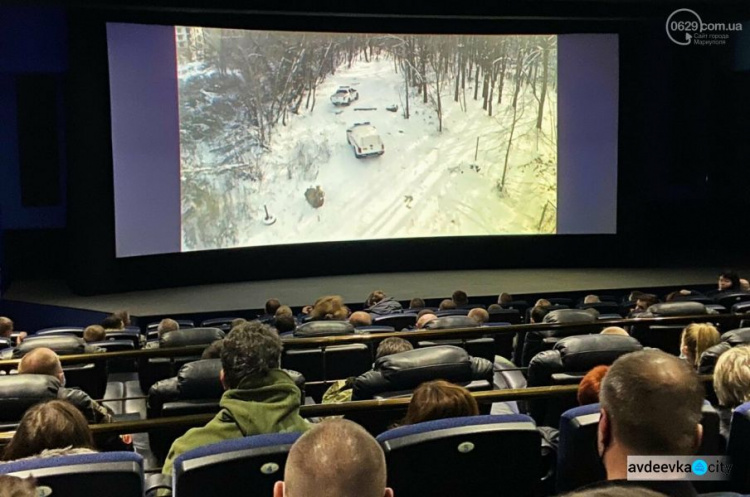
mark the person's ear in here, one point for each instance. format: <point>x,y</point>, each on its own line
<point>388,492</point>
<point>223,379</point>
<point>698,437</point>
<point>278,489</point>
<point>603,432</point>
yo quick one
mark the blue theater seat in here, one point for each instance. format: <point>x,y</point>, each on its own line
<point>737,449</point>
<point>398,321</point>
<point>244,466</point>
<point>61,330</point>
<point>114,474</point>
<point>475,455</point>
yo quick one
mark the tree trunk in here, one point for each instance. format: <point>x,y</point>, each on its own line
<point>545,62</point>
<point>476,82</point>
<point>519,76</point>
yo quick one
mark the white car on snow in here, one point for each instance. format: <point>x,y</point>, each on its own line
<point>344,96</point>
<point>365,140</point>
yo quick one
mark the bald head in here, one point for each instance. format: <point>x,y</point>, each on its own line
<point>479,315</point>
<point>615,330</point>
<point>360,318</point>
<point>424,319</point>
<point>336,458</point>
<point>41,361</point>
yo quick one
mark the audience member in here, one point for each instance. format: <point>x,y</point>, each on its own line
<point>591,299</point>
<point>732,383</point>
<point>284,310</point>
<point>424,319</point>
<point>167,325</point>
<point>615,330</point>
<point>729,282</point>
<point>538,312</point>
<point>94,333</point>
<point>494,308</point>
<point>446,305</point>
<point>439,399</point>
<point>677,295</point>
<point>44,361</point>
<point>13,486</point>
<point>424,311</point>
<point>48,429</point>
<point>285,324</point>
<point>479,315</point>
<point>6,330</point>
<point>259,397</point>
<point>614,491</point>
<point>272,305</point>
<point>235,323</point>
<point>460,298</point>
<point>504,298</point>
<point>543,303</point>
<point>588,389</point>
<point>330,307</point>
<point>213,351</point>
<point>360,318</point>
<point>379,303</point>
<point>643,302</point>
<point>650,406</point>
<point>416,303</point>
<point>393,345</point>
<point>113,323</point>
<point>744,285</point>
<point>336,458</point>
<point>124,316</point>
<point>696,338</point>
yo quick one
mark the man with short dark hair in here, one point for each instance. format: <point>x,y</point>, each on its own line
<point>537,313</point>
<point>272,306</point>
<point>6,330</point>
<point>393,345</point>
<point>259,397</point>
<point>113,323</point>
<point>337,458</point>
<point>416,303</point>
<point>284,323</point>
<point>446,304</point>
<point>650,406</point>
<point>460,298</point>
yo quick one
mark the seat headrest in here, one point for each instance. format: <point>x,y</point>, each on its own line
<point>736,337</point>
<point>18,392</point>
<point>449,322</point>
<point>583,352</point>
<point>409,369</point>
<point>707,361</point>
<point>686,308</point>
<point>200,380</point>
<point>323,328</point>
<point>61,344</point>
<point>190,336</point>
<point>564,316</point>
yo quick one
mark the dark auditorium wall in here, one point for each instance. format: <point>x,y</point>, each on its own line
<point>682,159</point>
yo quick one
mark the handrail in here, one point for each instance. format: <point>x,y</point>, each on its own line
<point>426,335</point>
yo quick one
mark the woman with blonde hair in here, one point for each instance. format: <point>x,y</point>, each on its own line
<point>696,338</point>
<point>330,307</point>
<point>732,384</point>
<point>439,400</point>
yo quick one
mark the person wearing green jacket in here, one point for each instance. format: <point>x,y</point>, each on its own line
<point>259,398</point>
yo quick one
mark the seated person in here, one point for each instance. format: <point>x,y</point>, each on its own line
<point>543,303</point>
<point>446,305</point>
<point>460,298</point>
<point>94,333</point>
<point>591,299</point>
<point>270,308</point>
<point>379,303</point>
<point>44,361</point>
<point>285,324</point>
<point>642,302</point>
<point>732,384</point>
<point>283,310</point>
<point>504,298</point>
<point>13,486</point>
<point>416,303</point>
<point>696,338</point>
<point>588,389</point>
<point>330,307</point>
<point>123,316</point>
<point>729,282</point>
<point>113,323</point>
<point>6,330</point>
<point>213,351</point>
<point>479,315</point>
<point>424,319</point>
<point>259,397</point>
<point>165,326</point>
<point>538,312</point>
<point>49,429</point>
<point>360,318</point>
<point>744,285</point>
<point>615,330</point>
<point>439,400</point>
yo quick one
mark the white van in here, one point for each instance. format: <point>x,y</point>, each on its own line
<point>365,140</point>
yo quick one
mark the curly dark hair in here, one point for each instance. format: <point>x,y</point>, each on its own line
<point>250,349</point>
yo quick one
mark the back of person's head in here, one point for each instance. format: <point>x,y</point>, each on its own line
<point>6,327</point>
<point>424,319</point>
<point>330,307</point>
<point>250,350</point>
<point>696,338</point>
<point>588,389</point>
<point>393,345</point>
<point>460,298</point>
<point>13,486</point>
<point>591,299</point>
<point>542,303</point>
<point>447,304</point>
<point>167,325</point>
<point>439,400</point>
<point>55,424</point>
<point>479,315</point>
<point>615,330</point>
<point>284,310</point>
<point>504,298</point>
<point>236,322</point>
<point>124,316</point>
<point>416,303</point>
<point>94,333</point>
<point>272,305</point>
<point>494,308</point>
<point>732,377</point>
<point>652,402</point>
<point>633,296</point>
<point>336,458</point>
<point>645,300</point>
<point>213,351</point>
<point>538,312</point>
<point>424,311</point>
<point>615,491</point>
<point>113,323</point>
<point>360,318</point>
<point>374,298</point>
<point>41,361</point>
<point>285,323</point>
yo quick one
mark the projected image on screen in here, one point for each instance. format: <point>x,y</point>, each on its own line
<point>314,137</point>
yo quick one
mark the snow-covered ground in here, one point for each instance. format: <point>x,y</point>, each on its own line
<point>426,184</point>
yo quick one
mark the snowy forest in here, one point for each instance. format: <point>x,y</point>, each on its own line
<point>466,125</point>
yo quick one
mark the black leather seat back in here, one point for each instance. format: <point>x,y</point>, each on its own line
<point>475,347</point>
<point>677,308</point>
<point>18,392</point>
<point>533,340</point>
<point>332,363</point>
<point>398,321</point>
<point>512,316</point>
<point>61,344</point>
<point>451,322</point>
<point>662,337</point>
<point>323,329</point>
<point>190,336</point>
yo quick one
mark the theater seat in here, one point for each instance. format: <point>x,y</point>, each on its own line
<point>666,337</point>
<point>325,328</point>
<point>61,330</point>
<point>739,441</point>
<point>730,299</point>
<point>223,323</point>
<point>398,321</point>
<point>475,455</point>
<point>730,339</point>
<point>533,340</point>
<point>114,474</point>
<point>330,363</point>
<point>19,392</point>
<point>511,316</point>
<point>476,347</point>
